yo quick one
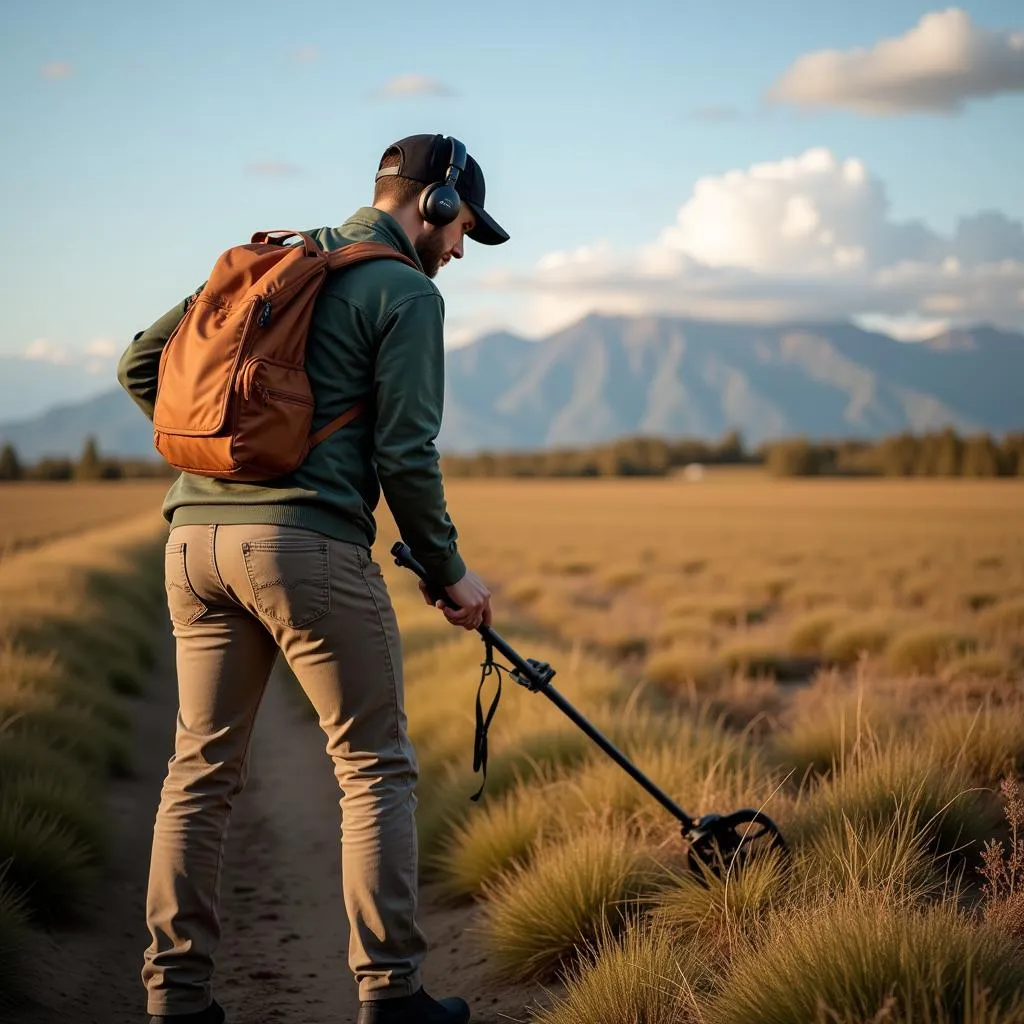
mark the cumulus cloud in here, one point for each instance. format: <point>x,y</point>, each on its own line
<point>807,237</point>
<point>940,63</point>
<point>96,358</point>
<point>56,70</point>
<point>412,85</point>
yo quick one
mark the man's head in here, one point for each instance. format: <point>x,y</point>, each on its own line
<point>411,165</point>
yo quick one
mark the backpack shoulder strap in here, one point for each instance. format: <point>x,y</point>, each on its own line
<point>346,256</point>
<point>357,252</point>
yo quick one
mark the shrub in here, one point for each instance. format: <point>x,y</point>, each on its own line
<point>1003,869</point>
<point>67,800</point>
<point>718,909</point>
<point>808,634</point>
<point>477,850</point>
<point>1004,621</point>
<point>850,640</point>
<point>533,758</point>
<point>825,734</point>
<point>537,917</point>
<point>922,650</point>
<point>853,961</point>
<point>890,860</point>
<point>682,666</point>
<point>883,781</point>
<point>986,741</point>
<point>619,577</point>
<point>757,658</point>
<point>681,631</point>
<point>66,728</point>
<point>525,590</point>
<point>48,862</point>
<point>983,665</point>
<point>643,975</point>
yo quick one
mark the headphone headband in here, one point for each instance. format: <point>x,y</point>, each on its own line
<point>456,164</point>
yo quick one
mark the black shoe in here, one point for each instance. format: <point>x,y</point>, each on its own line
<point>213,1014</point>
<point>418,1008</point>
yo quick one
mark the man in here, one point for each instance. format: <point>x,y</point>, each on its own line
<point>252,569</point>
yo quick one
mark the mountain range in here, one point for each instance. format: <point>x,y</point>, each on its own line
<point>609,376</point>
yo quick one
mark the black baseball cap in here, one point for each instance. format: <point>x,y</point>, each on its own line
<point>425,158</point>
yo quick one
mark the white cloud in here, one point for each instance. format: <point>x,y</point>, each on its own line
<point>940,63</point>
<point>97,357</point>
<point>413,85</point>
<point>56,70</point>
<point>806,237</point>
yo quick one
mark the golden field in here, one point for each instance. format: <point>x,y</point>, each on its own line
<point>34,513</point>
<point>80,602</point>
<point>847,655</point>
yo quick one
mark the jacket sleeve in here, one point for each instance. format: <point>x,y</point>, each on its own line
<point>139,365</point>
<point>409,392</point>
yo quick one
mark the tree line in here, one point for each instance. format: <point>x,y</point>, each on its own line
<point>943,454</point>
<point>90,465</point>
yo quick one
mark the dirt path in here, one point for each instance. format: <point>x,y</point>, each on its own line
<point>285,936</point>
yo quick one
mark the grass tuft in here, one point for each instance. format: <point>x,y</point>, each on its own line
<point>882,782</point>
<point>575,889</point>
<point>852,639</point>
<point>643,974</point>
<point>923,650</point>
<point>850,963</point>
<point>48,862</point>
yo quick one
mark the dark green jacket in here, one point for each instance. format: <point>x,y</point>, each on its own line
<point>377,331</point>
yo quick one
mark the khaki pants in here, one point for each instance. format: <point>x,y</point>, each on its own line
<point>236,595</point>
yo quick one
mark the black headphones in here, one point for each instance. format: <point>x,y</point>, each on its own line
<point>439,202</point>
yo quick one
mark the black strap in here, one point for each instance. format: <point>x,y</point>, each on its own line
<point>483,724</point>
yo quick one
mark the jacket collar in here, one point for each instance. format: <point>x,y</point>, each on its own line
<point>368,223</point>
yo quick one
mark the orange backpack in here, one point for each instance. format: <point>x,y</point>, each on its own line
<point>233,399</point>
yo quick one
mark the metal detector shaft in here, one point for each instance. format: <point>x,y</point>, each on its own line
<point>536,676</point>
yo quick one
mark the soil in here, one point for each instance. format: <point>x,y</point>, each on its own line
<point>284,941</point>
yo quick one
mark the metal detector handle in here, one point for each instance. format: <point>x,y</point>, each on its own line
<point>532,674</point>
<point>404,557</point>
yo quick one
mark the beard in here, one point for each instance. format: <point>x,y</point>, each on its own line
<point>431,250</point>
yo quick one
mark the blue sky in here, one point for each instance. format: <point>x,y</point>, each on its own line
<point>142,139</point>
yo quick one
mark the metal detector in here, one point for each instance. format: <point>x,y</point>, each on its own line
<point>716,841</point>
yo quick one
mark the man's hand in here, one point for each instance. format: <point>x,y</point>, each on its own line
<point>473,598</point>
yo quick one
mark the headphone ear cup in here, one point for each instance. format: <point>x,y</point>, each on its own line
<point>439,204</point>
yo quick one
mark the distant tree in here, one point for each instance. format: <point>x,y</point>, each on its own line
<point>793,458</point>
<point>89,465</point>
<point>10,465</point>
<point>730,449</point>
<point>53,469</point>
<point>949,454</point>
<point>1011,455</point>
<point>981,457</point>
<point>898,455</point>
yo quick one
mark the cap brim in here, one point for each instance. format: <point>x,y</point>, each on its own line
<point>487,230</point>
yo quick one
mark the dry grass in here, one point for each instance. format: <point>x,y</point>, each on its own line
<point>36,513</point>
<point>77,618</point>
<point>537,917</point>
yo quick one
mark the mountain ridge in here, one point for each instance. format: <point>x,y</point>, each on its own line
<point>603,377</point>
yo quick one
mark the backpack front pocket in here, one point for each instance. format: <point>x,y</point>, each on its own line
<point>273,418</point>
